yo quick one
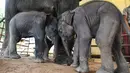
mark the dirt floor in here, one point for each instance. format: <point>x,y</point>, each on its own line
<point>25,65</point>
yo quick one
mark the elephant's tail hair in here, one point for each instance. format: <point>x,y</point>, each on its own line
<point>125,24</point>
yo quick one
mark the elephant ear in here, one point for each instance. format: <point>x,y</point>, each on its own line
<point>70,30</point>
<point>72,13</point>
<point>66,17</point>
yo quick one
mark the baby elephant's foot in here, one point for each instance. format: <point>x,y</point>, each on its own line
<point>82,70</point>
<point>83,67</point>
<point>14,56</point>
<point>74,65</point>
<point>39,57</point>
<point>38,60</point>
<point>47,60</point>
<point>5,56</point>
<point>104,71</point>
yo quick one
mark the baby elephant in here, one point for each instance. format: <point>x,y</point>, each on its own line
<point>28,24</point>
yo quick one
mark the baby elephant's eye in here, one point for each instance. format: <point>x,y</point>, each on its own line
<point>53,29</point>
<point>60,31</point>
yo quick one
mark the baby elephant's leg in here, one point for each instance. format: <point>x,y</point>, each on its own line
<point>122,66</point>
<point>46,51</point>
<point>40,45</point>
<point>105,37</point>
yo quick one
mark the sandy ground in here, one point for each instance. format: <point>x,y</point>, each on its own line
<point>25,65</point>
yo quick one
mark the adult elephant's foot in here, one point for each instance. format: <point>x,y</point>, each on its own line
<point>83,67</point>
<point>101,70</point>
<point>61,59</point>
<point>14,56</point>
<point>69,61</point>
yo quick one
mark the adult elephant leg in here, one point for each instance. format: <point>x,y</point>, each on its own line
<point>12,47</point>
<point>13,39</point>
<point>11,51</point>
<point>5,45</point>
<point>104,39</point>
<point>122,66</point>
<point>10,11</point>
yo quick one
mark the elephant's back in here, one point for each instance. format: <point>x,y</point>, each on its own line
<point>31,16</point>
<point>95,7</point>
<point>27,20</point>
<point>36,5</point>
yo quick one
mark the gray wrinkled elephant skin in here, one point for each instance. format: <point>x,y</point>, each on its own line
<point>28,24</point>
<point>100,20</point>
<point>54,7</point>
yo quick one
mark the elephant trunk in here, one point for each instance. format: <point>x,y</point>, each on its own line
<point>65,44</point>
